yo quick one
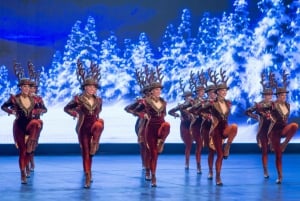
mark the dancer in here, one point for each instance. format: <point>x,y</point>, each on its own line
<point>26,128</point>
<point>206,116</point>
<point>261,112</point>
<point>156,129</point>
<point>139,125</point>
<point>87,107</point>
<point>280,128</point>
<point>220,129</point>
<point>185,122</point>
<point>35,79</point>
<point>197,119</point>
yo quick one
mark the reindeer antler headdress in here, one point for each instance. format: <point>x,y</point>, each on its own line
<point>34,75</point>
<point>92,76</point>
<point>283,89</point>
<point>149,79</point>
<point>267,86</point>
<point>20,74</point>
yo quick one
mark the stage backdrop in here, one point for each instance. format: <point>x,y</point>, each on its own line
<point>243,38</point>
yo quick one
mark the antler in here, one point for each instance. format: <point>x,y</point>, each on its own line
<point>31,70</point>
<point>192,81</point>
<point>181,85</point>
<point>285,78</point>
<point>201,78</point>
<point>18,70</point>
<point>223,76</point>
<point>262,81</point>
<point>140,78</point>
<point>159,75</point>
<point>80,72</point>
<point>95,71</point>
<point>272,80</point>
<point>149,76</point>
<point>213,76</point>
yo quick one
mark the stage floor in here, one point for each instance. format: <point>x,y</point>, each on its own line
<point>120,177</point>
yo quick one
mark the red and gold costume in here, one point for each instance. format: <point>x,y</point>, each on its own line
<point>139,128</point>
<point>206,124</point>
<point>220,129</point>
<point>156,129</point>
<point>195,127</point>
<point>261,111</point>
<point>26,127</point>
<point>185,124</point>
<point>280,128</point>
<point>89,127</point>
<point>87,107</point>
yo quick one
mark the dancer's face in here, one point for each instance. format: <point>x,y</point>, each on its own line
<point>33,90</point>
<point>25,89</point>
<point>90,89</point>
<point>268,97</point>
<point>212,94</point>
<point>222,93</point>
<point>156,92</point>
<point>200,92</point>
<point>281,97</point>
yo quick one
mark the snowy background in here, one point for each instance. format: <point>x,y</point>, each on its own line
<point>228,41</point>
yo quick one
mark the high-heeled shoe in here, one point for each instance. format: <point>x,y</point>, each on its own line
<point>153,181</point>
<point>199,168</point>
<point>278,181</point>
<point>147,175</point>
<point>210,176</point>
<point>219,183</point>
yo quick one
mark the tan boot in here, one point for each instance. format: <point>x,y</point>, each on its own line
<point>87,180</point>
<point>23,177</point>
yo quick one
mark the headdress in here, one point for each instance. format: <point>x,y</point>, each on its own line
<point>285,83</point>
<point>34,75</point>
<point>92,76</point>
<point>20,74</point>
<point>218,84</point>
<point>198,83</point>
<point>149,79</point>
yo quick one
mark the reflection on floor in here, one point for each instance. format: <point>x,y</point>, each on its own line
<point>120,177</point>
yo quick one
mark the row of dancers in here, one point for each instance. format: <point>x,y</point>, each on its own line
<point>204,120</point>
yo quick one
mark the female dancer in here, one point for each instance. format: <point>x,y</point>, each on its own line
<point>220,129</point>
<point>261,111</point>
<point>26,128</point>
<point>206,125</point>
<point>156,129</point>
<point>87,107</point>
<point>280,128</point>
<point>185,122</point>
<point>35,78</point>
<point>139,125</point>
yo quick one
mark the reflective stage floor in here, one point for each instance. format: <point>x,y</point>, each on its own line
<point>120,177</point>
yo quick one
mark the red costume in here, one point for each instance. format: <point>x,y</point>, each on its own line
<point>26,127</point>
<point>280,128</point>
<point>156,129</point>
<point>185,124</point>
<point>220,129</point>
<point>206,124</point>
<point>262,112</point>
<point>139,129</point>
<point>87,107</point>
